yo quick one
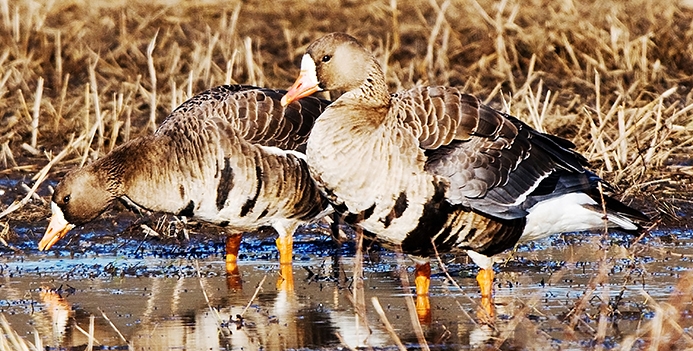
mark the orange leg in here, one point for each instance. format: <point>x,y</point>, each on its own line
<point>422,281</point>
<point>285,245</point>
<point>58,309</point>
<point>423,309</point>
<point>485,280</point>
<point>286,277</point>
<point>233,245</point>
<point>423,278</point>
<point>233,276</point>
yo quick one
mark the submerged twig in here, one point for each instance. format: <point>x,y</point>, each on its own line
<point>87,334</point>
<point>257,291</point>
<point>204,293</point>
<point>113,326</point>
<point>411,307</point>
<point>386,322</point>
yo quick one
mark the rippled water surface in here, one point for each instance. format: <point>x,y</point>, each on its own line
<point>153,294</point>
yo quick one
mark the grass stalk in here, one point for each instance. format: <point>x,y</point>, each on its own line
<point>396,41</point>
<point>40,177</point>
<point>58,58</point>
<point>358,294</point>
<point>90,343</point>
<point>386,322</point>
<point>11,340</point>
<point>103,314</point>
<point>189,90</point>
<point>433,38</point>
<point>344,342</point>
<point>5,12</point>
<point>213,310</point>
<point>15,25</point>
<point>257,291</point>
<point>152,78</point>
<point>89,334</point>
<point>174,92</point>
<point>37,112</point>
<point>99,119</point>
<point>411,306</point>
<point>58,117</point>
<point>250,64</point>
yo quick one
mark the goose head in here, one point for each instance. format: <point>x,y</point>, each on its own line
<point>81,196</point>
<point>335,62</point>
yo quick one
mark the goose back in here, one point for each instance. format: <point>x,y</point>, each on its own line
<point>495,163</point>
<point>256,113</point>
<point>432,164</point>
<point>224,156</point>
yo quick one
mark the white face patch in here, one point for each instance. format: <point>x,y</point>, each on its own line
<point>308,71</point>
<point>57,228</point>
<point>58,213</point>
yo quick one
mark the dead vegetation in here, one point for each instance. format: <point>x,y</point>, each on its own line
<point>613,77</point>
<point>78,78</point>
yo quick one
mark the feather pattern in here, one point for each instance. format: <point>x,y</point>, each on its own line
<point>224,156</point>
<point>434,166</point>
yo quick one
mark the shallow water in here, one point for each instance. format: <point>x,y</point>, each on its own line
<point>173,292</point>
<point>163,296</point>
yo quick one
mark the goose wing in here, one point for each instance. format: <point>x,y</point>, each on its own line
<point>495,163</point>
<point>255,112</point>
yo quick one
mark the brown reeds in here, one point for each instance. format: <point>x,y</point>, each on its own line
<point>11,341</point>
<point>78,79</point>
<point>613,80</point>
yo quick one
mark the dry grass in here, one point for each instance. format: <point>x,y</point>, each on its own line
<point>78,78</point>
<point>614,78</point>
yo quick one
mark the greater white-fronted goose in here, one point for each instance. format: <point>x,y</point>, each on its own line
<point>220,157</point>
<point>432,165</point>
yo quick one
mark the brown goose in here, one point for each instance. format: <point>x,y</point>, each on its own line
<point>219,157</point>
<point>433,165</point>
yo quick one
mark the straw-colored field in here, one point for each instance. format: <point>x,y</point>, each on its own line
<point>78,77</point>
<point>614,77</point>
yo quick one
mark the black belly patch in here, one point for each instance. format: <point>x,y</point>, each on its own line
<point>431,222</point>
<point>397,210</point>
<point>225,184</point>
<point>248,206</point>
<point>353,217</point>
<point>188,211</point>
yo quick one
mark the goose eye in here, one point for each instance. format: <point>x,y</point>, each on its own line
<point>326,58</point>
<point>66,199</point>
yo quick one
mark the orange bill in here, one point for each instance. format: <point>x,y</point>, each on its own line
<point>57,228</point>
<point>306,83</point>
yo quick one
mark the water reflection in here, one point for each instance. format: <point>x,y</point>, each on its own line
<point>260,307</point>
<point>165,313</point>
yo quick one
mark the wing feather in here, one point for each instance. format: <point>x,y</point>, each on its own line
<point>494,162</point>
<point>256,113</point>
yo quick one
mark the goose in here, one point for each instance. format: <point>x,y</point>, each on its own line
<point>433,169</point>
<point>225,156</point>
